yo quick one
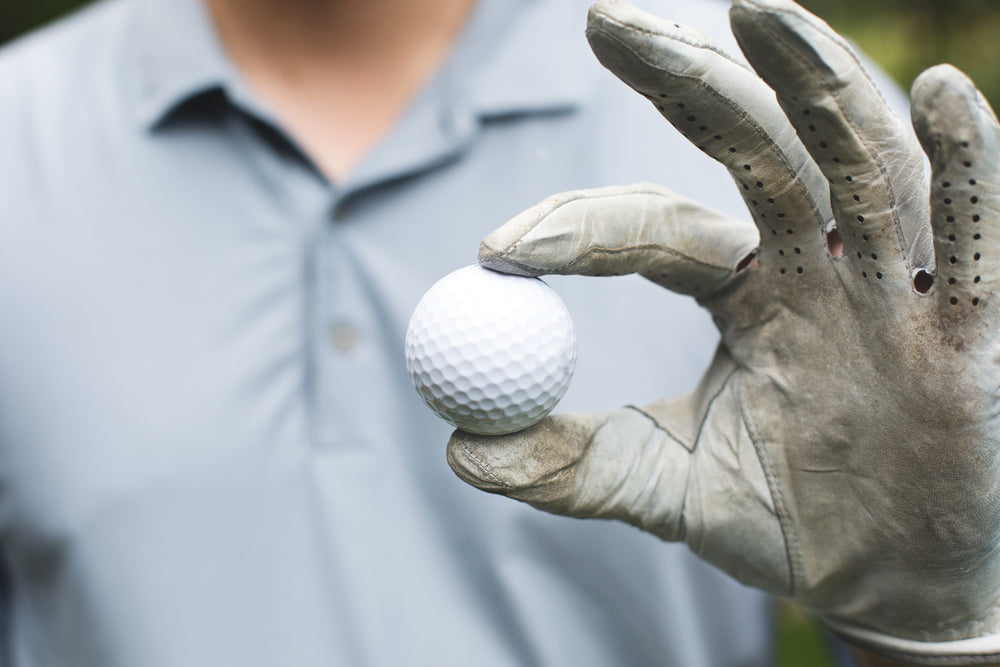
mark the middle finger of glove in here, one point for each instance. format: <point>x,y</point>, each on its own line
<point>723,108</point>
<point>872,161</point>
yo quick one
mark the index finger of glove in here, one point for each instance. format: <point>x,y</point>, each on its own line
<point>869,156</point>
<point>643,228</point>
<point>725,110</point>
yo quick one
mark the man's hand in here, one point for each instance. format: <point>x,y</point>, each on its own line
<point>843,448</point>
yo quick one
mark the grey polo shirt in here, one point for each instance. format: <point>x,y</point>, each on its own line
<point>210,452</point>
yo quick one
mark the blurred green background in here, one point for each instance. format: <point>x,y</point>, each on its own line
<point>907,36</point>
<point>18,16</point>
<point>903,36</point>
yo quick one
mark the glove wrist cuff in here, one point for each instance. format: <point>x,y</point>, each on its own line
<point>984,650</point>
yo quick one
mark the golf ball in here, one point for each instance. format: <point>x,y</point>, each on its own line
<point>489,352</point>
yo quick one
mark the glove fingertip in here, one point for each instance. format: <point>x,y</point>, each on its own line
<point>470,467</point>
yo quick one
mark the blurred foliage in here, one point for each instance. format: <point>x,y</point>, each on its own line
<point>19,16</point>
<point>907,36</point>
<point>800,641</point>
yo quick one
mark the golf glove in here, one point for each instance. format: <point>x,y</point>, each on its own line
<point>843,448</point>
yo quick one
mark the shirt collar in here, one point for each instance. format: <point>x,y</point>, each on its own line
<point>536,57</point>
<point>176,57</point>
<point>514,56</point>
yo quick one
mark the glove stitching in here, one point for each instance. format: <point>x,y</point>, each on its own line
<point>610,251</point>
<point>678,533</point>
<point>485,468</point>
<point>590,251</point>
<point>701,422</point>
<point>793,550</point>
<point>581,197</point>
<point>708,46</point>
<point>662,428</point>
<point>681,530</point>
<point>645,246</point>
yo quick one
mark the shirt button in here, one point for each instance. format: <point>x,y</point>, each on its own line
<point>343,337</point>
<point>342,211</point>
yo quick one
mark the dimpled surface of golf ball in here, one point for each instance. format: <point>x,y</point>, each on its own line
<point>489,352</point>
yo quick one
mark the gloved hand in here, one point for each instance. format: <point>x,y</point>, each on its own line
<point>843,448</point>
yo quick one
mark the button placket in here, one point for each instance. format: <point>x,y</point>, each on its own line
<point>343,345</point>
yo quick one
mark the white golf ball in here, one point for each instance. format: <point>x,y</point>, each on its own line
<point>489,352</point>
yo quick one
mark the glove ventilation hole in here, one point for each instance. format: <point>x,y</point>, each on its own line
<point>965,248</point>
<point>834,244</point>
<point>746,262</point>
<point>874,257</point>
<point>923,281</point>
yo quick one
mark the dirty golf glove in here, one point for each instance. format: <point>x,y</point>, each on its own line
<point>842,449</point>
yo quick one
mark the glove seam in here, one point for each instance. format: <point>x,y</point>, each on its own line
<point>678,534</point>
<point>740,112</point>
<point>681,530</point>
<point>504,256</point>
<point>708,46</point>
<point>793,551</point>
<point>848,117</point>
<point>701,423</point>
<point>485,468</point>
<point>844,44</point>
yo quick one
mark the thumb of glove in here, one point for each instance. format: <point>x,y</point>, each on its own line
<point>613,465</point>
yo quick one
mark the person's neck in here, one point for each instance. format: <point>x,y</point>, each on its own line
<point>338,72</point>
